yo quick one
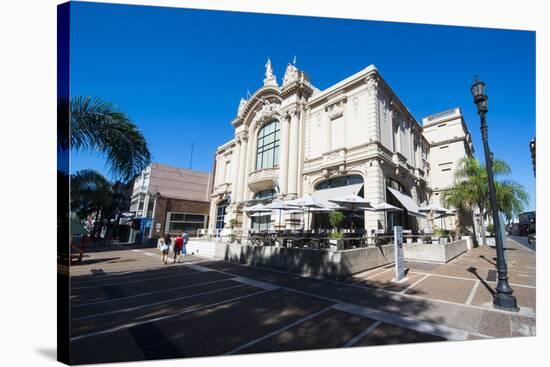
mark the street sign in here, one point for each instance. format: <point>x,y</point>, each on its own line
<point>399,257</point>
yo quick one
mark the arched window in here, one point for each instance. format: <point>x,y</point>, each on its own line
<point>339,181</point>
<point>267,155</point>
<point>395,185</point>
<point>265,194</point>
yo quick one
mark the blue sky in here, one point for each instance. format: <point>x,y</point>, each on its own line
<point>179,74</point>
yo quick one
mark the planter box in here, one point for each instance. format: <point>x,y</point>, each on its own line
<point>440,253</point>
<point>336,245</point>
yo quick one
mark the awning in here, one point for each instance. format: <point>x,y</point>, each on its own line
<point>336,192</point>
<point>408,203</point>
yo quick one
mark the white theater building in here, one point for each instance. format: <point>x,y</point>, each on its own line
<point>355,137</point>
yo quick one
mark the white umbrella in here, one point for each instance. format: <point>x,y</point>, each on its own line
<point>280,206</point>
<point>384,208</point>
<point>258,208</point>
<point>433,210</point>
<point>448,213</point>
<point>352,202</point>
<point>308,202</point>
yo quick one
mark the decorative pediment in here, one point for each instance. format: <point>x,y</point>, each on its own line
<point>267,111</point>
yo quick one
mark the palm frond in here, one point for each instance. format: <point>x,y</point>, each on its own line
<point>96,124</point>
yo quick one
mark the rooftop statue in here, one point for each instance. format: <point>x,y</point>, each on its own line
<point>270,79</point>
<point>291,74</point>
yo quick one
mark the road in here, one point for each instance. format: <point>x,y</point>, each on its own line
<point>126,306</point>
<point>523,241</point>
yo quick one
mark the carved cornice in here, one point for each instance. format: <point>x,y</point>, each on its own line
<point>260,95</point>
<point>336,109</point>
<point>372,81</point>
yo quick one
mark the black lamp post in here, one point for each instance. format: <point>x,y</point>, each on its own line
<point>503,298</point>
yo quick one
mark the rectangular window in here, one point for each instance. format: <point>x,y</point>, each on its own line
<point>262,222</point>
<point>267,154</point>
<point>178,222</point>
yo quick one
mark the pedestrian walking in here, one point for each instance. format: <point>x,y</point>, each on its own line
<point>164,245</point>
<point>178,246</point>
<point>185,236</point>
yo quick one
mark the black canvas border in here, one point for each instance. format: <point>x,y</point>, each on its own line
<point>63,208</point>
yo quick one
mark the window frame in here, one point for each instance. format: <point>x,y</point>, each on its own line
<point>268,145</point>
<point>170,221</point>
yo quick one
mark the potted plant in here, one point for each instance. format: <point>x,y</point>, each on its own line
<point>439,236</point>
<point>335,220</point>
<point>232,224</point>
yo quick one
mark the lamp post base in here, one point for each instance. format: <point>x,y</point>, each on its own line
<point>505,302</point>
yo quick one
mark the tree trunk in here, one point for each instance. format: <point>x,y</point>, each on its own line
<point>474,232</point>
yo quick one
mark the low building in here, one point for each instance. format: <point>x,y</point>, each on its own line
<point>355,137</point>
<point>169,200</point>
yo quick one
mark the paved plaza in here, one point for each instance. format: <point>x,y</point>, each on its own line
<point>126,305</point>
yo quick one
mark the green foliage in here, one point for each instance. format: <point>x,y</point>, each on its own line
<point>90,193</point>
<point>438,232</point>
<point>336,235</point>
<point>335,219</point>
<point>86,123</point>
<point>233,223</point>
<point>491,228</point>
<point>471,188</point>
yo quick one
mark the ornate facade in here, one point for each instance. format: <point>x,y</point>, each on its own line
<point>293,139</point>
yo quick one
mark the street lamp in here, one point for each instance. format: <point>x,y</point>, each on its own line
<point>503,298</point>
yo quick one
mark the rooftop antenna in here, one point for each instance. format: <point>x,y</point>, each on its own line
<point>191,157</point>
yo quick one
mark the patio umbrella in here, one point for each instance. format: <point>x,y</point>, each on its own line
<point>258,208</point>
<point>434,210</point>
<point>384,207</point>
<point>280,206</point>
<point>448,213</point>
<point>307,202</point>
<point>352,203</point>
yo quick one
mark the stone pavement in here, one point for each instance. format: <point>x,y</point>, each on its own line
<point>127,306</point>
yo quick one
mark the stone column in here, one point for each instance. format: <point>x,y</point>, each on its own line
<point>242,168</point>
<point>212,216</point>
<point>251,156</point>
<point>327,133</point>
<point>283,156</point>
<point>293,153</point>
<point>235,170</point>
<point>301,147</point>
<point>222,162</point>
<point>375,189</point>
<point>373,108</point>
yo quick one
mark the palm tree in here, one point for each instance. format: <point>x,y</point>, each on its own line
<point>471,190</point>
<point>86,123</point>
<point>91,193</point>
